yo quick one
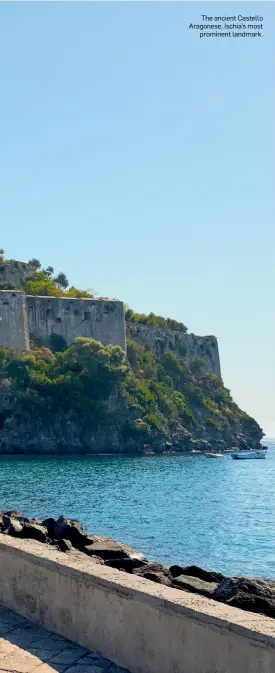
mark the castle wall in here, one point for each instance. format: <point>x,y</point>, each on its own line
<point>188,346</point>
<point>22,317</point>
<point>70,318</point>
<point>14,331</point>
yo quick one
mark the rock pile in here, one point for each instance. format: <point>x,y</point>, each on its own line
<point>68,536</point>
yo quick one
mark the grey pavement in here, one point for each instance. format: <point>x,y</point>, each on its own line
<point>26,647</point>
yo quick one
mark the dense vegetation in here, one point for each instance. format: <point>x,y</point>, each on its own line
<point>147,400</point>
<point>42,282</point>
<point>154,321</point>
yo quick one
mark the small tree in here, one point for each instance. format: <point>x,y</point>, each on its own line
<point>61,280</point>
<point>49,271</point>
<point>2,252</point>
<point>34,263</point>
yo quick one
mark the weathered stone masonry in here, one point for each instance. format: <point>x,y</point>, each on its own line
<point>23,317</point>
<point>14,328</point>
<point>70,318</point>
<point>188,346</point>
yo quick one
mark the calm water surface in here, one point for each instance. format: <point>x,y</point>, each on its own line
<point>216,513</point>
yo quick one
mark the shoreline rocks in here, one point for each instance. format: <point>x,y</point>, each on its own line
<point>69,537</point>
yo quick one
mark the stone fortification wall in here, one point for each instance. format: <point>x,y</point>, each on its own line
<point>14,331</point>
<point>186,345</point>
<point>22,317</point>
<point>70,318</point>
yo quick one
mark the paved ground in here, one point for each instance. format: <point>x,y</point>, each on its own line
<point>26,648</point>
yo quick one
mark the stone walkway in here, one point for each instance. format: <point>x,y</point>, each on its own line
<point>26,648</point>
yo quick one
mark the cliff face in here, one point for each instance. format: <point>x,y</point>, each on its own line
<point>14,272</point>
<point>187,346</point>
<point>91,399</point>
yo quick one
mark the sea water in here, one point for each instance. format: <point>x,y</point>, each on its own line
<point>219,514</point>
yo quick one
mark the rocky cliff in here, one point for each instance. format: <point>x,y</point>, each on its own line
<point>94,399</point>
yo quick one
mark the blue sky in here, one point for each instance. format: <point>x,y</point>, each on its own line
<point>140,160</point>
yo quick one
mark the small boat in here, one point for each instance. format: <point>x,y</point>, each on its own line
<point>214,455</point>
<point>196,451</point>
<point>244,454</point>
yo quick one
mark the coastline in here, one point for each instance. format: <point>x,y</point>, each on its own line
<point>68,537</point>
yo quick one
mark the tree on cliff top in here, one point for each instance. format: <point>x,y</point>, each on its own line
<point>153,320</point>
<point>61,281</point>
<point>40,284</point>
<point>34,263</point>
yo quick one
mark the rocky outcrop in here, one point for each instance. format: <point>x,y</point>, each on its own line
<point>195,585</point>
<point>64,434</point>
<point>66,529</point>
<point>13,273</point>
<point>252,594</point>
<point>106,550</point>
<point>195,571</point>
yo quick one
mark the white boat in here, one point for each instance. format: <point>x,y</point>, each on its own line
<point>214,455</point>
<point>250,453</point>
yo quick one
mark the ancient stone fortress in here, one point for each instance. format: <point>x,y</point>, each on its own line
<point>23,317</point>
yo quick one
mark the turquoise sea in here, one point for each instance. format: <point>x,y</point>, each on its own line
<point>219,514</point>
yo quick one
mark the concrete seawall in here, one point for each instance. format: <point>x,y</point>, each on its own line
<point>140,625</point>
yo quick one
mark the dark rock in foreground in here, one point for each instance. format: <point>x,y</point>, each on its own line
<point>14,527</point>
<point>106,550</point>
<point>35,531</point>
<point>195,571</point>
<point>195,585</point>
<point>253,603</point>
<point>64,545</point>
<point>155,572</point>
<point>254,595</point>
<point>67,529</point>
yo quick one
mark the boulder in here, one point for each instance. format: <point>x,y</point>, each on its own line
<point>50,525</point>
<point>195,585</point>
<point>127,564</point>
<point>14,527</point>
<point>68,529</point>
<point>195,571</point>
<point>64,545</point>
<point>15,516</point>
<point>35,531</point>
<point>155,572</point>
<point>106,550</point>
<point>96,559</point>
<point>252,603</point>
<point>229,588</point>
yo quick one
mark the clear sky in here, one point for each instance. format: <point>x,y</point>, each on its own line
<point>140,160</point>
